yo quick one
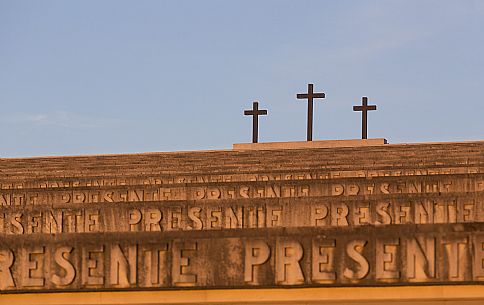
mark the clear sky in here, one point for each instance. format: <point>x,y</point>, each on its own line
<point>93,77</point>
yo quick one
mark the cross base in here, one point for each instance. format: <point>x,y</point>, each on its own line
<point>309,144</point>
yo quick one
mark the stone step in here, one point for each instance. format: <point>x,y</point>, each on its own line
<point>322,211</point>
<point>83,173</point>
<point>401,156</point>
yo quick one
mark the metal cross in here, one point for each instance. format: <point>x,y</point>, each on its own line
<point>310,96</point>
<point>364,115</point>
<point>255,112</point>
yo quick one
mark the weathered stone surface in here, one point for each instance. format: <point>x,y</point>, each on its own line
<point>190,215</point>
<point>404,254</point>
<point>377,215</point>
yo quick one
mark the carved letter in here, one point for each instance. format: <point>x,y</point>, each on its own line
<point>274,216</point>
<point>402,214</point>
<point>134,219</point>
<point>288,255</point>
<point>478,270</point>
<point>233,220</point>
<point>92,221</point>
<point>152,222</point>
<point>33,223</point>
<point>384,188</point>
<point>423,212</point>
<point>257,252</point>
<point>468,212</point>
<point>244,191</point>
<point>123,270</point>
<point>353,189</point>
<point>174,218</point>
<point>61,257</point>
<point>93,266</point>
<point>382,211</point>
<point>17,224</point>
<point>135,195</point>
<point>386,260</point>
<point>194,216</point>
<point>33,267</point>
<point>318,215</point>
<point>214,217</point>
<point>6,262</point>
<point>337,189</point>
<point>420,258</point>
<point>180,276</point>
<point>79,197</point>
<point>53,221</point>
<point>213,193</point>
<point>354,249</point>
<point>339,214</point>
<point>200,193</point>
<point>456,258</point>
<point>108,196</point>
<point>155,271</point>
<point>362,215</point>
<point>323,262</point>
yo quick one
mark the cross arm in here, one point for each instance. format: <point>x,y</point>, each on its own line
<point>258,112</point>
<point>363,108</point>
<point>301,96</point>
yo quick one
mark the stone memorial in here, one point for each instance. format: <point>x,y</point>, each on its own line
<point>288,216</point>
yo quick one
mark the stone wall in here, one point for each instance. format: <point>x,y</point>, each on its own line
<point>362,216</point>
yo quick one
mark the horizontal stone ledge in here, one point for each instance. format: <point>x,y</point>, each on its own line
<point>352,187</point>
<point>365,177</point>
<point>70,200</point>
<point>259,259</point>
<point>148,180</point>
<point>345,232</point>
<point>309,144</point>
<point>237,156</point>
<point>470,147</point>
<point>313,160</point>
<point>243,156</point>
<point>219,166</point>
<point>240,157</point>
<point>401,295</point>
<point>235,215</point>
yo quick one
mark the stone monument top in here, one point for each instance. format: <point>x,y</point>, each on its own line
<point>354,213</point>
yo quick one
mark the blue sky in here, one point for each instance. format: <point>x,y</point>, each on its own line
<point>94,77</point>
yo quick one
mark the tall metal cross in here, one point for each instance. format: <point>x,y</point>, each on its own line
<point>255,112</point>
<point>364,108</point>
<point>310,96</point>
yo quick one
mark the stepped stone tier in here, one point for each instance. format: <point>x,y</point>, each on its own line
<point>347,214</point>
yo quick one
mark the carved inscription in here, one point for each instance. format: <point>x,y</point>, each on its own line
<point>235,191</point>
<point>169,180</point>
<point>181,222</point>
<point>26,198</point>
<point>251,214</point>
<point>280,260</point>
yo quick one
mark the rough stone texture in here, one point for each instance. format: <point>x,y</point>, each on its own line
<point>346,216</point>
